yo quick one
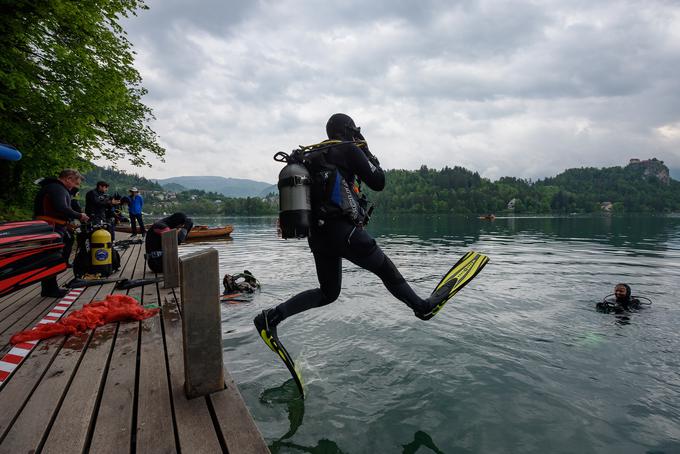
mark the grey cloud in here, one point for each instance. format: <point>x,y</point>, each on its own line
<point>519,87</point>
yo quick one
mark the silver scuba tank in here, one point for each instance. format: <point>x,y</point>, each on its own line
<point>295,206</point>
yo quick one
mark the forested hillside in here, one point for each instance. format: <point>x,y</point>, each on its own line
<point>119,181</point>
<point>639,187</point>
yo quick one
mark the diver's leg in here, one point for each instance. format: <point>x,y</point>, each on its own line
<point>142,229</point>
<point>362,250</point>
<point>329,273</point>
<point>133,224</point>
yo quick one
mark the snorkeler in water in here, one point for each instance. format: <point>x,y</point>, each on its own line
<point>623,300</point>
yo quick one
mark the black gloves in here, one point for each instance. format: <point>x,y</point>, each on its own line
<point>371,157</point>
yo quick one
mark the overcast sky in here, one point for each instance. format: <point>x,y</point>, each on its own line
<point>503,88</point>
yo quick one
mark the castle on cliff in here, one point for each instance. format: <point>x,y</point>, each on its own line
<point>652,167</point>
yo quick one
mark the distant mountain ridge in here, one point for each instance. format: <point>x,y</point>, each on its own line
<point>229,187</point>
<point>119,181</point>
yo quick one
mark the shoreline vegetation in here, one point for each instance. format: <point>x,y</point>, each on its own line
<point>639,187</point>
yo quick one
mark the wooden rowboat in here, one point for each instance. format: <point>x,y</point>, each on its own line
<point>199,231</point>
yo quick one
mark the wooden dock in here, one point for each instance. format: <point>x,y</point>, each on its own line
<point>116,389</point>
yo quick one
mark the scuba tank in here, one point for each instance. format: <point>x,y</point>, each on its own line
<point>295,206</point>
<point>101,252</point>
<point>313,190</point>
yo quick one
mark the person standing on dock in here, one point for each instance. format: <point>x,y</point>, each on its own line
<point>53,205</point>
<point>135,209</point>
<point>99,206</point>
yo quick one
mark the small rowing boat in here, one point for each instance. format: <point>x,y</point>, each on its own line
<point>198,232</point>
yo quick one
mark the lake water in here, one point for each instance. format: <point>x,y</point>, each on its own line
<point>518,362</point>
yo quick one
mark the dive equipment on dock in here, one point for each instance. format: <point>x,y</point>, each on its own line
<point>30,251</point>
<point>95,253</point>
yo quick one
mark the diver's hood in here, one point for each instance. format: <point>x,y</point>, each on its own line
<point>341,127</point>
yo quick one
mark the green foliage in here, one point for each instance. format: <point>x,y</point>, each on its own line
<point>457,190</point>
<point>119,182</point>
<point>196,202</point>
<point>68,90</point>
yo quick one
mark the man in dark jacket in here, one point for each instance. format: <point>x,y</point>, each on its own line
<point>53,205</point>
<point>99,206</point>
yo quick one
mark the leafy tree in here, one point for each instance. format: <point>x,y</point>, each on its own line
<point>68,90</point>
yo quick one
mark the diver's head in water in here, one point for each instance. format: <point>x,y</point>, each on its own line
<point>622,293</point>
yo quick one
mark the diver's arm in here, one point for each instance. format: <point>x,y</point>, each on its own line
<point>368,172</point>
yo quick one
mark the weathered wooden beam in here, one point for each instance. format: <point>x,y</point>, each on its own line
<point>170,259</point>
<point>201,320</point>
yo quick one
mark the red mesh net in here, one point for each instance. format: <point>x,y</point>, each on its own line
<point>114,308</point>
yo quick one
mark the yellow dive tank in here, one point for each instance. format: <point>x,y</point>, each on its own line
<point>100,248</point>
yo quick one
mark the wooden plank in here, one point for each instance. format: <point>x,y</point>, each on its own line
<point>154,412</point>
<point>27,321</point>
<point>195,429</point>
<point>16,391</point>
<point>113,426</point>
<point>19,308</point>
<point>201,329</point>
<point>27,377</point>
<point>32,424</point>
<point>70,430</point>
<point>113,429</point>
<point>154,409</point>
<point>29,310</point>
<point>170,259</point>
<point>235,422</point>
<point>22,294</point>
<point>41,373</point>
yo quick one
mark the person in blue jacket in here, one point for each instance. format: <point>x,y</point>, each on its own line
<point>135,209</point>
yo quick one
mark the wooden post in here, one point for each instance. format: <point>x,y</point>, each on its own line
<point>201,323</point>
<point>170,261</point>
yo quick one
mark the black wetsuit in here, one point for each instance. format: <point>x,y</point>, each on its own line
<point>154,244</point>
<point>97,205</point>
<point>54,200</point>
<point>340,238</point>
<point>620,305</point>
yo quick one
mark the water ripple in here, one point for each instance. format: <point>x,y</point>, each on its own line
<point>519,361</point>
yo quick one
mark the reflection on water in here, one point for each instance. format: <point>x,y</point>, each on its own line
<point>519,361</point>
<point>288,395</point>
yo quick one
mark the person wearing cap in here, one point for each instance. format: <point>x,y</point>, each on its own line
<point>135,209</point>
<point>53,205</point>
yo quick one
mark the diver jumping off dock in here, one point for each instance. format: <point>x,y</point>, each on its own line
<point>332,213</point>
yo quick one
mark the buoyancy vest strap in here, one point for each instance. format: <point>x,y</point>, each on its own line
<point>295,180</point>
<point>52,220</point>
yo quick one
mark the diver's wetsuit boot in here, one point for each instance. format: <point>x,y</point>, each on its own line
<point>265,323</point>
<point>433,301</point>
<point>50,288</point>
